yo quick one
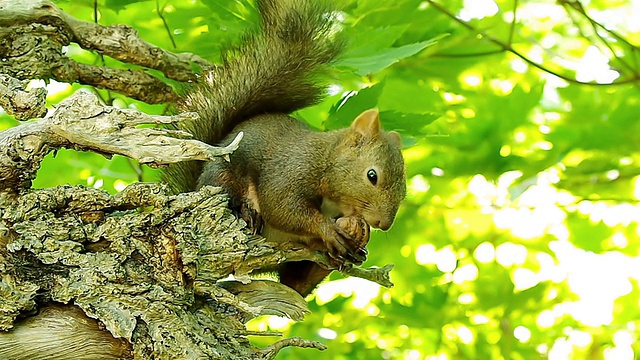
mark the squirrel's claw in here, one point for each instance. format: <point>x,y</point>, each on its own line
<point>346,240</point>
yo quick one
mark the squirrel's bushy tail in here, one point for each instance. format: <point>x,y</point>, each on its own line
<point>274,70</point>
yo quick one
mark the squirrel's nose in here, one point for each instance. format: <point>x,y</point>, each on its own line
<point>378,222</point>
<point>384,225</point>
<point>381,224</point>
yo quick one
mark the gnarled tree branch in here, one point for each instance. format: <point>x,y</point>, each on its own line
<point>144,263</point>
<point>82,123</point>
<point>34,32</point>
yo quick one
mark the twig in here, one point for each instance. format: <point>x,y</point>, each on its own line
<point>271,351</point>
<point>513,22</point>
<point>577,6</point>
<point>377,275</point>
<point>481,53</point>
<point>261,333</point>
<point>507,47</point>
<point>160,12</point>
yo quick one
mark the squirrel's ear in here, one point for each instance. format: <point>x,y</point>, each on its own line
<point>367,123</point>
<point>395,138</point>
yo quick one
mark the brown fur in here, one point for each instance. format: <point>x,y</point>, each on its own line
<point>283,174</point>
<point>275,70</point>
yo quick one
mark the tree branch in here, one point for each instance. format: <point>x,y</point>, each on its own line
<point>34,32</point>
<point>271,351</point>
<point>506,46</point>
<point>577,6</point>
<point>23,105</point>
<point>82,123</point>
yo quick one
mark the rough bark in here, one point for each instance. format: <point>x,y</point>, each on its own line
<point>34,32</point>
<point>145,264</point>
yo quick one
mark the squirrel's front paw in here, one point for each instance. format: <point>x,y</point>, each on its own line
<point>358,231</point>
<point>341,245</point>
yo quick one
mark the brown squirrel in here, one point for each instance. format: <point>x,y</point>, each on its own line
<point>296,180</point>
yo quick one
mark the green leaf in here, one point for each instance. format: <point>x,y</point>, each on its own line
<point>119,5</point>
<point>381,59</point>
<point>407,123</point>
<point>343,113</point>
<point>367,39</point>
<point>586,234</point>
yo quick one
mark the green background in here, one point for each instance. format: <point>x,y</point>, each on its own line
<point>519,235</point>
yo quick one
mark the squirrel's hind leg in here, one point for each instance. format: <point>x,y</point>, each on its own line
<point>243,198</point>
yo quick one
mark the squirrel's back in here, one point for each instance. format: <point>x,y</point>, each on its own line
<point>274,70</point>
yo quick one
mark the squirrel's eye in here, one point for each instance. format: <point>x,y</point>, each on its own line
<point>372,175</point>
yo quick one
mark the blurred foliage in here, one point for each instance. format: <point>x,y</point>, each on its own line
<point>519,237</point>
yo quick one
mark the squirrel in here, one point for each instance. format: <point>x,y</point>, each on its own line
<point>295,180</point>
